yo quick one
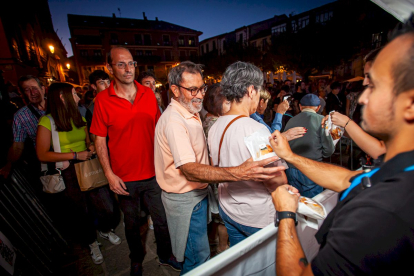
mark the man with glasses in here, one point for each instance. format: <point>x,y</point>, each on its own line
<point>127,113</point>
<point>182,167</point>
<point>25,123</point>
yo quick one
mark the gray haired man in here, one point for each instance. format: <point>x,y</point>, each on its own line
<point>183,170</point>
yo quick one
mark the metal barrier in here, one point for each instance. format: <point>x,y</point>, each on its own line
<point>26,223</point>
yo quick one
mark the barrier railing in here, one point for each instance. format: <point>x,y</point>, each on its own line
<point>256,255</point>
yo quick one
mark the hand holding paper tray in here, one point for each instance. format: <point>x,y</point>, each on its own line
<point>311,208</point>
<point>259,146</point>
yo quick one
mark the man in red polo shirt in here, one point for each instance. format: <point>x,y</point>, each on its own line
<point>127,112</point>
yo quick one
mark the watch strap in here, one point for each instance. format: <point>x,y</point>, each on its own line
<point>285,215</point>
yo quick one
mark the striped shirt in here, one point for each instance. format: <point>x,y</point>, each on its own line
<point>25,124</point>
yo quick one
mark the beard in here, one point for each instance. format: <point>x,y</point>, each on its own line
<point>381,133</point>
<point>189,104</point>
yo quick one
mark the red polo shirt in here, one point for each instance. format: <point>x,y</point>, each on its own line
<point>130,128</point>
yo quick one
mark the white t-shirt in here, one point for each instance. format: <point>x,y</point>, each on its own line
<point>246,202</point>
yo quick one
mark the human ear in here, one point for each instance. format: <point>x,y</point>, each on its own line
<point>175,90</point>
<point>409,106</point>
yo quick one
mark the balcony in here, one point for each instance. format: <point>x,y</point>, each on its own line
<point>148,60</point>
<point>91,59</point>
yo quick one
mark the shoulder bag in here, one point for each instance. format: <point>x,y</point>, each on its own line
<point>53,183</point>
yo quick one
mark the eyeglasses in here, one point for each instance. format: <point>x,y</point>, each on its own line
<point>194,91</point>
<point>122,65</point>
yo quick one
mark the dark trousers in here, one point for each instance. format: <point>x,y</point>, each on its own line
<point>88,211</point>
<point>150,192</point>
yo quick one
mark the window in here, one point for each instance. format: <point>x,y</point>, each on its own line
<point>193,54</point>
<point>114,39</point>
<point>180,41</point>
<point>150,68</point>
<point>139,53</point>
<point>324,17</point>
<point>294,26</point>
<point>264,44</point>
<point>84,53</point>
<point>182,54</point>
<point>168,56</point>
<point>377,40</point>
<point>207,48</point>
<point>279,29</point>
<point>214,45</point>
<point>147,39</point>
<point>97,53</point>
<point>166,40</point>
<point>240,38</point>
<point>148,53</point>
<point>191,41</point>
<point>138,39</point>
<point>303,22</point>
<point>202,50</point>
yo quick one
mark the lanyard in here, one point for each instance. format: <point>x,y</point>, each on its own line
<point>365,178</point>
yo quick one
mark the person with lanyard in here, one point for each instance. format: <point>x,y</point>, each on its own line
<point>371,230</point>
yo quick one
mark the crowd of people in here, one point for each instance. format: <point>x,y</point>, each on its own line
<point>182,160</point>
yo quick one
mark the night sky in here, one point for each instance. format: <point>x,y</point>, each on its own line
<point>210,17</point>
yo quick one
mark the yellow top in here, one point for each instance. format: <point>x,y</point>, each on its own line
<point>74,140</point>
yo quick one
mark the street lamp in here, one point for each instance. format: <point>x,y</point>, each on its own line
<point>52,49</point>
<point>68,66</point>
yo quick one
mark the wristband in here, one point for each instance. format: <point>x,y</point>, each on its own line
<point>74,156</point>
<point>347,123</point>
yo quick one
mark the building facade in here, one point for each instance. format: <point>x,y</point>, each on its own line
<point>29,44</point>
<point>330,40</point>
<point>155,44</point>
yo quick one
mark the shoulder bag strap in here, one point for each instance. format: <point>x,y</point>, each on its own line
<point>56,142</point>
<point>224,132</point>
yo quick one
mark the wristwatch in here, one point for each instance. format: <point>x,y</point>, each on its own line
<point>284,215</point>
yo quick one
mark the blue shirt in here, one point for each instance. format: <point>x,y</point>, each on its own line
<point>276,124</point>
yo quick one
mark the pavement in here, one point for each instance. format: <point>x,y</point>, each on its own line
<point>116,258</point>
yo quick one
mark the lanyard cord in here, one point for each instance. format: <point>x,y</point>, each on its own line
<point>360,177</point>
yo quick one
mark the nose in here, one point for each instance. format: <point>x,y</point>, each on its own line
<point>363,99</point>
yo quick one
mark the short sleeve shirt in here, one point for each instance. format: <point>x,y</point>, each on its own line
<point>373,233</point>
<point>246,202</point>
<point>69,140</point>
<point>179,139</point>
<point>25,124</point>
<point>130,128</point>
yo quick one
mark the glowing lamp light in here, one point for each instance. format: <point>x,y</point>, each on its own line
<point>52,49</point>
<point>68,66</point>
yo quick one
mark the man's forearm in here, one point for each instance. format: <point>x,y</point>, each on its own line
<point>326,175</point>
<point>102,152</point>
<point>290,258</point>
<point>208,174</point>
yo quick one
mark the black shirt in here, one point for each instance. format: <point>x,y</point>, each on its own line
<point>371,231</point>
<point>335,102</point>
<point>298,96</point>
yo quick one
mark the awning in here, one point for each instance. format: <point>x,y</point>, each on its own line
<point>400,9</point>
<point>74,85</point>
<point>355,79</point>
